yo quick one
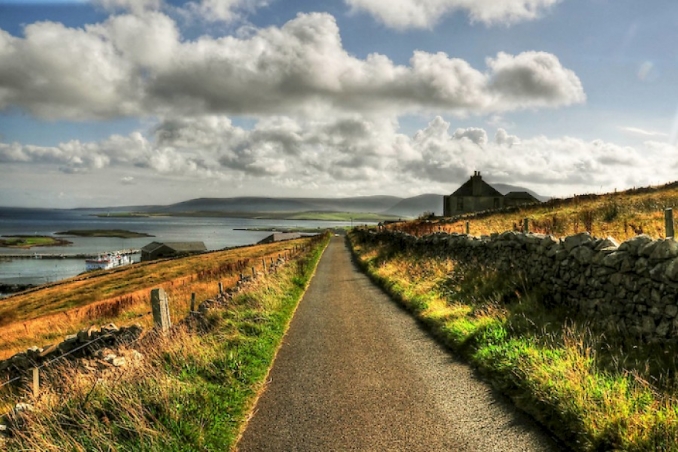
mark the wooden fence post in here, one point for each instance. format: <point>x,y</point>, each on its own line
<point>193,302</point>
<point>36,382</point>
<point>254,273</point>
<point>668,222</point>
<point>221,288</point>
<point>161,313</point>
<point>526,225</point>
<point>468,228</point>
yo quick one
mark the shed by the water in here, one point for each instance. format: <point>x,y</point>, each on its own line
<point>280,237</point>
<point>158,250</point>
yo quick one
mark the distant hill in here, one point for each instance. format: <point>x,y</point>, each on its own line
<point>506,188</point>
<point>417,205</point>
<point>265,207</point>
<point>367,204</point>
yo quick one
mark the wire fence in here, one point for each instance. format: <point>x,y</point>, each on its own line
<point>288,255</point>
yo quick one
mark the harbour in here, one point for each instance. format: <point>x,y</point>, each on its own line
<point>126,252</point>
<point>41,265</point>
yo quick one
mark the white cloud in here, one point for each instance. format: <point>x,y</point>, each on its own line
<point>349,155</point>
<point>643,132</point>
<point>133,65</point>
<point>60,72</point>
<point>476,135</point>
<point>404,14</point>
<point>536,78</point>
<point>502,138</point>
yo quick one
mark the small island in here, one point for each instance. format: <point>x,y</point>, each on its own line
<point>121,215</point>
<point>29,241</point>
<point>115,233</point>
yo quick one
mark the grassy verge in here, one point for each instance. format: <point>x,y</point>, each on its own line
<point>592,391</point>
<point>192,390</point>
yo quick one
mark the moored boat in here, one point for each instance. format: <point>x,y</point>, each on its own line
<point>107,260</point>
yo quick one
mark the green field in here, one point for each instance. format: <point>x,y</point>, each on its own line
<point>25,241</point>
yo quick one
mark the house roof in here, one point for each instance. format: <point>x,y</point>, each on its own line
<point>179,247</point>
<point>186,246</point>
<point>281,236</point>
<point>152,247</point>
<point>485,189</point>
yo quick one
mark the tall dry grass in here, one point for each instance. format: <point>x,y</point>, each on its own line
<point>619,215</point>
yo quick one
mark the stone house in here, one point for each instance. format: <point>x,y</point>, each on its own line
<point>476,195</point>
<point>159,250</point>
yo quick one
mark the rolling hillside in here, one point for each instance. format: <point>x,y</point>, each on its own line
<point>620,215</point>
<point>417,205</point>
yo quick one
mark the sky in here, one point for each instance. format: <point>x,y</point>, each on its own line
<point>130,102</point>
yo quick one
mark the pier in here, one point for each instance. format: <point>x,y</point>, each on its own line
<point>65,255</point>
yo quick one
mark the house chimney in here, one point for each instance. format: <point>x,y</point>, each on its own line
<point>477,183</point>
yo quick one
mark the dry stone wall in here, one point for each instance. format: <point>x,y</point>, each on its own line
<point>629,288</point>
<point>86,342</point>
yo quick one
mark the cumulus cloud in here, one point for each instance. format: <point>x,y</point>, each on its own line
<point>478,136</point>
<point>404,14</point>
<point>502,138</point>
<point>352,155</point>
<point>554,166</point>
<point>133,65</point>
<point>534,77</point>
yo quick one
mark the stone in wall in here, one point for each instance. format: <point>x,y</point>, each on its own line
<point>99,337</point>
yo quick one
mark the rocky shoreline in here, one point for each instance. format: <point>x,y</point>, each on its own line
<point>8,289</point>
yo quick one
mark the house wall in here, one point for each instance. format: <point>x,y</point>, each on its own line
<point>471,204</point>
<point>157,253</point>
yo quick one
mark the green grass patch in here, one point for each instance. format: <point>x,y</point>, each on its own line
<point>595,392</point>
<point>30,241</point>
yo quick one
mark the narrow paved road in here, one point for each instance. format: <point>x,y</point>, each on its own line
<point>356,372</point>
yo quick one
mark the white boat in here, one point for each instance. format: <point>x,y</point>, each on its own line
<point>107,260</point>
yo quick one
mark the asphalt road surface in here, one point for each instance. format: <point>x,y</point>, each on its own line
<point>356,372</point>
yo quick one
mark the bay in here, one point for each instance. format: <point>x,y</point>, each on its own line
<point>216,233</point>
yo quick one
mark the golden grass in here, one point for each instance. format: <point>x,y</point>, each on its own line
<point>122,295</point>
<point>620,215</point>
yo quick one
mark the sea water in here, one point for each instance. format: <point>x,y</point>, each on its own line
<point>216,233</point>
